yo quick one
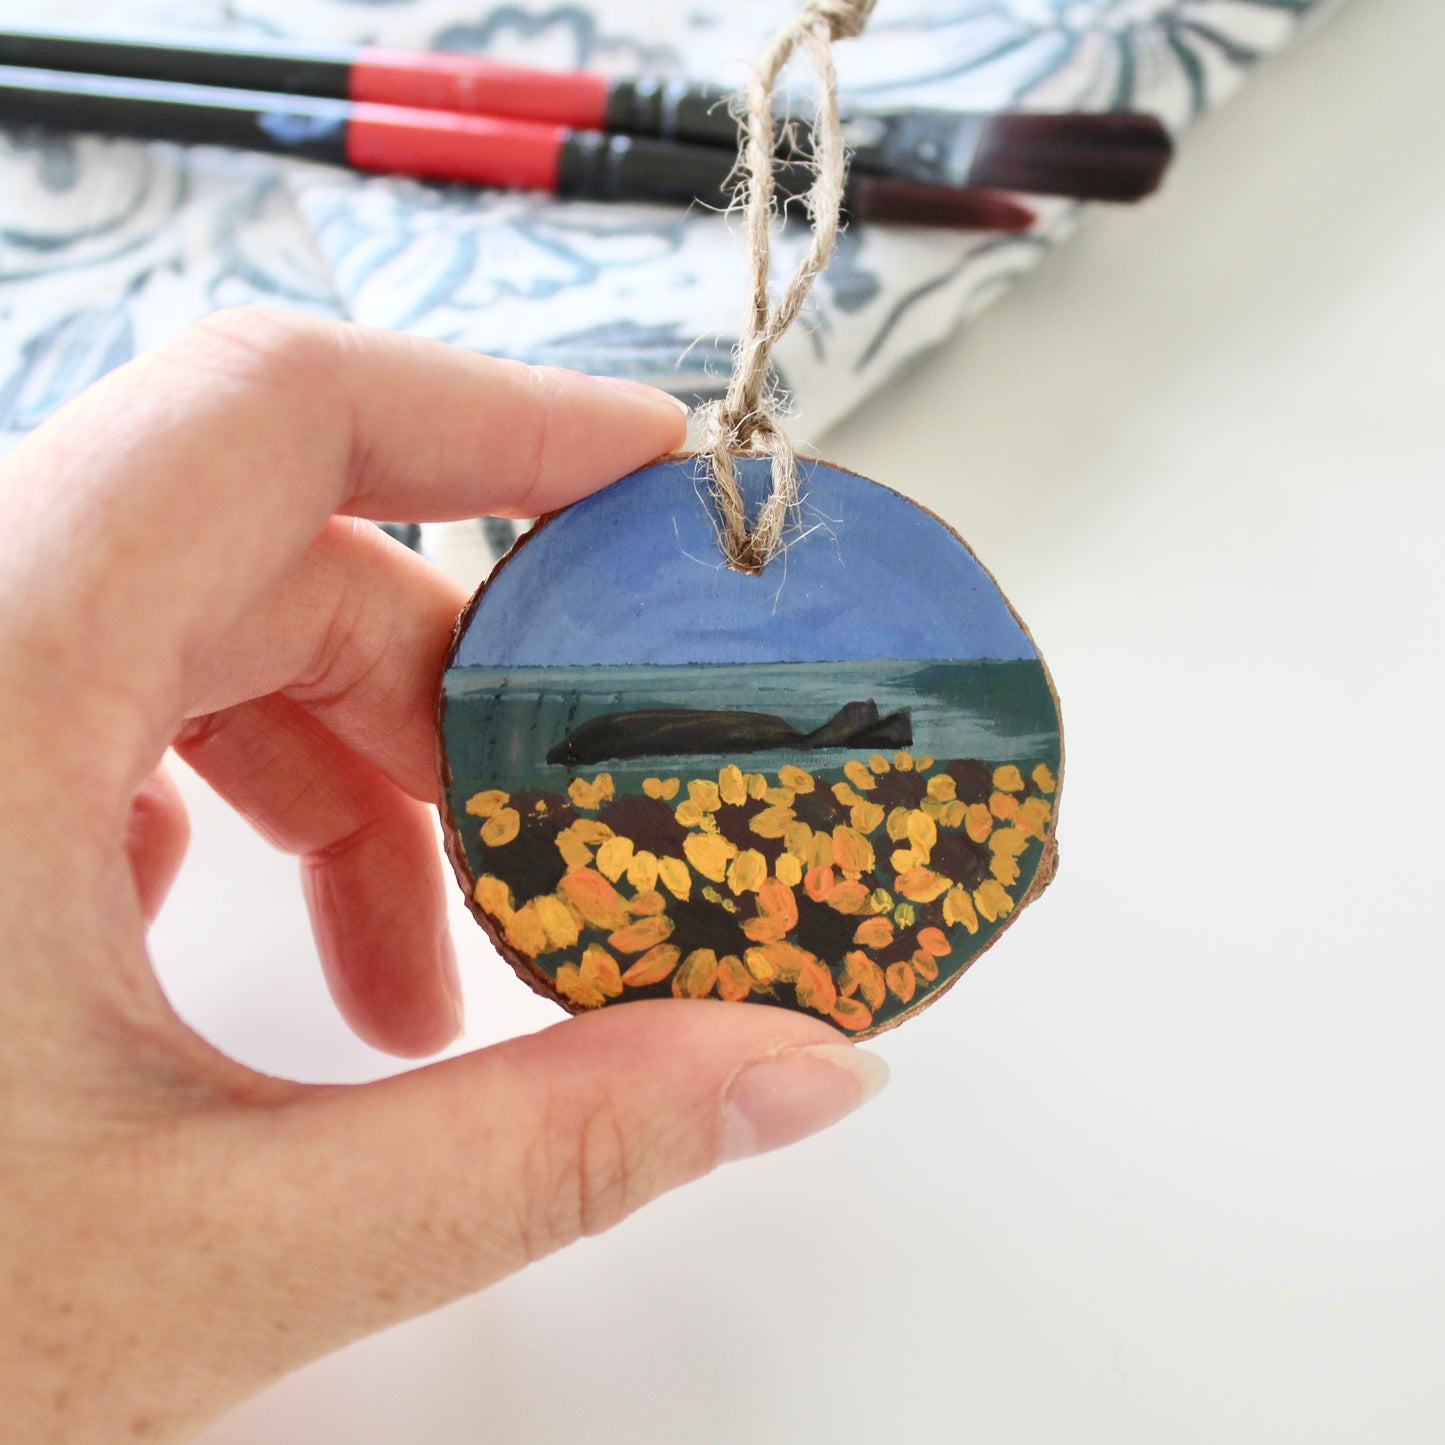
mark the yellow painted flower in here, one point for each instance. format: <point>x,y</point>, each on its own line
<point>732,787</point>
<point>696,977</point>
<point>992,900</point>
<point>591,795</point>
<point>880,900</point>
<point>1033,816</point>
<point>1009,842</point>
<point>795,778</point>
<point>798,840</point>
<point>779,797</point>
<point>1044,778</point>
<point>572,986</point>
<point>865,817</point>
<point>663,788</point>
<point>859,775</point>
<point>879,764</point>
<point>771,822</point>
<point>978,823</point>
<point>922,832</point>
<point>599,970</point>
<point>952,814</point>
<point>903,859</point>
<point>903,762</point>
<point>710,854</point>
<point>501,827</point>
<point>594,898</point>
<point>494,897</point>
<point>931,808</point>
<point>653,966</point>
<point>644,905</point>
<point>1003,805</point>
<point>558,921</point>
<point>575,853</point>
<point>642,870</point>
<point>613,858</point>
<point>923,762</point>
<point>757,785</point>
<point>1008,779</point>
<point>1005,869</point>
<point>689,813</point>
<point>788,870</point>
<point>704,792</point>
<point>524,931</point>
<point>852,852</point>
<point>674,875</point>
<point>483,805</point>
<point>847,794</point>
<point>942,787</point>
<point>747,872</point>
<point>905,916</point>
<point>958,909</point>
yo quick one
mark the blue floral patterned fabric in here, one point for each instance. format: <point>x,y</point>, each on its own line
<point>108,246</point>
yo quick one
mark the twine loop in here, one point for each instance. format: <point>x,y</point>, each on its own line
<point>746,421</point>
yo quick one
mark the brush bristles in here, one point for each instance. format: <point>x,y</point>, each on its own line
<point>915,203</point>
<point>1112,156</point>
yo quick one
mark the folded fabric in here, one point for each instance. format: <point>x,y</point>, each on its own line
<point>108,246</point>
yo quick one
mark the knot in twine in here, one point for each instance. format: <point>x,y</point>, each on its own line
<point>746,421</point>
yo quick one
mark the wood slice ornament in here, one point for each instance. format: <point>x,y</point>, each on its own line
<point>828,785</point>
<point>745,727</point>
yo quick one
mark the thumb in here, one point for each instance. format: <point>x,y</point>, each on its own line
<point>380,1202</point>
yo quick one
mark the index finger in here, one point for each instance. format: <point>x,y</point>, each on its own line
<point>152,514</point>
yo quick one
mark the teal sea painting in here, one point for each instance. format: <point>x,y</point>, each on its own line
<point>827,786</point>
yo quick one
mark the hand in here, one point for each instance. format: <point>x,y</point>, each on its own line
<point>180,567</point>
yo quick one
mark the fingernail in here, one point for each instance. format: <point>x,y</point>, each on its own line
<point>785,1098</point>
<point>641,388</point>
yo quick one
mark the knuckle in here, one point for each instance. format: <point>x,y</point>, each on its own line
<point>259,344</point>
<point>581,1180</point>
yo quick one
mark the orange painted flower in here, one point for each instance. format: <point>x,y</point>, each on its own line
<point>863,976</point>
<point>640,936</point>
<point>599,970</point>
<point>934,941</point>
<point>922,885</point>
<point>902,981</point>
<point>874,933</point>
<point>653,966</point>
<point>696,977</point>
<point>851,1014</point>
<point>734,982</point>
<point>852,852</point>
<point>815,986</point>
<point>819,882</point>
<point>598,902</point>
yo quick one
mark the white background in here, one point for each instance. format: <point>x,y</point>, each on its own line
<point>1168,1166</point>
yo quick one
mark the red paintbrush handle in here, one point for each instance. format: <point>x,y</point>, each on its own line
<point>439,81</point>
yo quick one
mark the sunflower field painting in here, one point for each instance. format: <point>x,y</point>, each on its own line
<point>828,787</point>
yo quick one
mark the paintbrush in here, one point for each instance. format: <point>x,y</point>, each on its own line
<point>442,145</point>
<point>1114,155</point>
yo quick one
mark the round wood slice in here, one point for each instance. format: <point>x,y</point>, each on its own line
<point>827,786</point>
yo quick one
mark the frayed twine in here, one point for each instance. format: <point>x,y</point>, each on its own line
<point>745,423</point>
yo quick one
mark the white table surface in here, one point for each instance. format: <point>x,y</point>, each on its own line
<point>1169,1165</point>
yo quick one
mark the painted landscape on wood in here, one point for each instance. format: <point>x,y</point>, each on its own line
<point>645,799</point>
